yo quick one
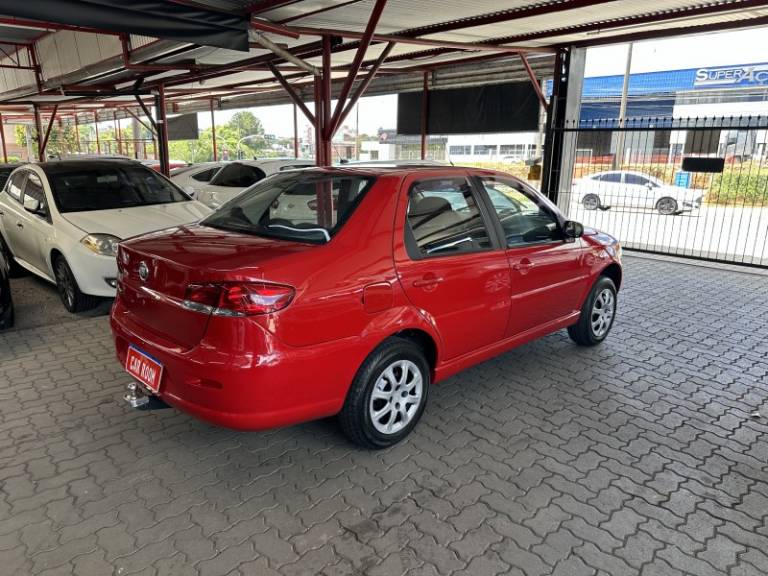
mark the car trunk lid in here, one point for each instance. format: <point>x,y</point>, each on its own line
<point>156,270</point>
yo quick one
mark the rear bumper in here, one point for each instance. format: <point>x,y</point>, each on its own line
<point>240,376</point>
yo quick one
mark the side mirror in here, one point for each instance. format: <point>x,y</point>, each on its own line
<point>573,229</point>
<point>33,205</point>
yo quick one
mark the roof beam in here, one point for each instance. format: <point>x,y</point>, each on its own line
<point>365,41</point>
<point>292,93</point>
<point>401,39</point>
<point>265,42</point>
<point>537,9</point>
<point>669,32</point>
<point>266,5</point>
<point>646,18</point>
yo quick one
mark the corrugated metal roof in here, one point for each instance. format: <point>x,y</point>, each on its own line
<point>81,58</point>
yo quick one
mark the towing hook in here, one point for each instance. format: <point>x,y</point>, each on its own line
<point>138,398</point>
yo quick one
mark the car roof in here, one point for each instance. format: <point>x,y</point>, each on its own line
<point>401,170</point>
<point>55,166</point>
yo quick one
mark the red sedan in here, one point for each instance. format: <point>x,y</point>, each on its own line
<point>349,291</point>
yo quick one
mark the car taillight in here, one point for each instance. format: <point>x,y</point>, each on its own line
<point>238,299</point>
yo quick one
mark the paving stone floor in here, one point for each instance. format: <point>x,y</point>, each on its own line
<point>637,457</point>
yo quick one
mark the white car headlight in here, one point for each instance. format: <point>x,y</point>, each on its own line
<point>101,244</point>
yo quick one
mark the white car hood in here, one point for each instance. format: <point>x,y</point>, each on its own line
<point>128,222</point>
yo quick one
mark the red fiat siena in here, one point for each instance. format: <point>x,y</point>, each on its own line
<point>349,291</point>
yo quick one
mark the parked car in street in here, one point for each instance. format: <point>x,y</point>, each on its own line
<point>62,220</point>
<point>628,189</point>
<point>256,317</point>
<point>238,175</point>
<point>6,301</point>
<point>191,178</point>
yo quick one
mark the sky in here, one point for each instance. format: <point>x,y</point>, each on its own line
<point>737,47</point>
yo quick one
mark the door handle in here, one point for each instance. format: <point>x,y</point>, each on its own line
<point>20,225</point>
<point>427,281</point>
<point>524,265</point>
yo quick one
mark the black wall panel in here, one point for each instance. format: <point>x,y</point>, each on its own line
<point>512,107</point>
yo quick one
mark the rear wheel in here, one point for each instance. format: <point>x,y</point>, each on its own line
<point>667,206</point>
<point>388,395</point>
<point>591,202</point>
<point>597,314</point>
<point>69,292</point>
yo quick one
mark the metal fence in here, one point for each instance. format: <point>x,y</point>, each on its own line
<point>693,187</point>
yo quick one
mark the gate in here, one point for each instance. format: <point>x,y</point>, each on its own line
<point>692,187</point>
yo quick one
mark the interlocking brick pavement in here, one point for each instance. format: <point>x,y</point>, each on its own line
<point>636,457</point>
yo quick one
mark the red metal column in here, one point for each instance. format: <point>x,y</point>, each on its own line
<point>325,125</point>
<point>118,136</point>
<point>162,130</point>
<point>424,115</point>
<point>77,134</point>
<point>295,131</point>
<point>318,124</point>
<point>39,130</point>
<point>96,126</point>
<point>213,134</point>
<point>2,137</point>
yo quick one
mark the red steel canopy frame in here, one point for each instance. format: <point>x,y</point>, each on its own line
<point>327,119</point>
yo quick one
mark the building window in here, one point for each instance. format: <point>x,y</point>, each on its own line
<point>460,150</point>
<point>516,151</point>
<point>484,149</point>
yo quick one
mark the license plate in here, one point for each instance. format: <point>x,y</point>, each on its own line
<point>144,368</point>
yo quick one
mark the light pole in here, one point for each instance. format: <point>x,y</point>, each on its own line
<point>243,139</point>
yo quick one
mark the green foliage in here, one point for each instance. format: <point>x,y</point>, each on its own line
<point>745,185</point>
<point>62,140</point>
<point>241,125</point>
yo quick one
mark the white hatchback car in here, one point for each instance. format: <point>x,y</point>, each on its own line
<point>63,220</point>
<point>241,174</point>
<point>621,188</point>
<point>192,178</point>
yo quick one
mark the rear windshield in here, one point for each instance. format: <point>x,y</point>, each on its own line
<point>107,187</point>
<point>293,206</point>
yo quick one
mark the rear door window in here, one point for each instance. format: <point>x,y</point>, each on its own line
<point>444,218</point>
<point>15,185</point>
<point>635,179</point>
<point>206,175</point>
<point>238,176</point>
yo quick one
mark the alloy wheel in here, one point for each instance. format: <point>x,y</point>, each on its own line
<point>603,311</point>
<point>66,284</point>
<point>666,206</point>
<point>591,202</point>
<point>396,397</point>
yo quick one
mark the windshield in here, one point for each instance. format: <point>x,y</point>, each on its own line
<point>300,206</point>
<point>107,187</point>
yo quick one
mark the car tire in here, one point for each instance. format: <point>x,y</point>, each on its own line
<point>591,202</point>
<point>14,270</point>
<point>8,317</point>
<point>69,292</point>
<point>597,314</point>
<point>394,373</point>
<point>667,206</point>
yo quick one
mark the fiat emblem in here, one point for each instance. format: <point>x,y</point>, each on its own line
<point>143,271</point>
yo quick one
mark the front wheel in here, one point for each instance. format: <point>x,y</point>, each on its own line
<point>597,314</point>
<point>69,292</point>
<point>387,396</point>
<point>667,206</point>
